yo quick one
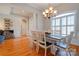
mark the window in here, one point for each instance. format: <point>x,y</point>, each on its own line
<point>63,24</point>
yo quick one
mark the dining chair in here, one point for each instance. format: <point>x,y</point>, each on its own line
<point>65,45</point>
<point>34,40</point>
<point>2,38</point>
<point>41,42</point>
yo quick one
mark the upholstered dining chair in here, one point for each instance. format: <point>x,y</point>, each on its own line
<point>2,37</point>
<point>65,45</point>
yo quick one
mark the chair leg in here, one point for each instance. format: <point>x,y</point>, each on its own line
<point>67,51</point>
<point>33,46</point>
<point>45,51</point>
<point>37,48</point>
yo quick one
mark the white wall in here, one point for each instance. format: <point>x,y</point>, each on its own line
<point>34,22</point>
<point>16,23</point>
<point>1,24</point>
<point>17,26</point>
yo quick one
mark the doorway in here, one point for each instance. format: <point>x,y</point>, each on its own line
<point>23,27</point>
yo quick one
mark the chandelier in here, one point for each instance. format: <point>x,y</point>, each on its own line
<point>49,12</point>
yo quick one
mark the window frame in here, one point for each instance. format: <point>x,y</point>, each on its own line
<point>54,18</point>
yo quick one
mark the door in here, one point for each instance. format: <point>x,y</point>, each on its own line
<point>23,27</point>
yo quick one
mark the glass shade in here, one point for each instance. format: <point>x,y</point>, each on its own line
<point>50,8</point>
<point>43,13</point>
<point>55,11</point>
<point>46,11</point>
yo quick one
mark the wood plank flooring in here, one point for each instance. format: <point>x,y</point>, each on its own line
<point>21,47</point>
<point>18,47</point>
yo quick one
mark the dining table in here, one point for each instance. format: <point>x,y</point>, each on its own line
<point>53,38</point>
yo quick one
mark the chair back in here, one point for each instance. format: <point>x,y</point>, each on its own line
<point>41,39</point>
<point>40,36</point>
<point>2,37</point>
<point>34,35</point>
<point>69,38</point>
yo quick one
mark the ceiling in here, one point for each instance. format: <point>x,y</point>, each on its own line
<point>16,9</point>
<point>61,7</point>
<point>21,11</point>
<point>21,8</point>
<point>42,6</point>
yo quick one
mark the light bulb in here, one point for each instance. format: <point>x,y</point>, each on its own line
<point>43,13</point>
<point>55,11</point>
<point>50,8</point>
<point>47,11</point>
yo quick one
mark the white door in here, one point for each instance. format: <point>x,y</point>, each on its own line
<point>23,28</point>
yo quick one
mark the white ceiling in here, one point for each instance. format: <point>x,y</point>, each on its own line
<point>21,8</point>
<point>42,6</point>
<point>21,11</point>
<point>7,8</point>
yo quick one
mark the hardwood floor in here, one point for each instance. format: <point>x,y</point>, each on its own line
<point>21,47</point>
<point>18,47</point>
<point>76,48</point>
